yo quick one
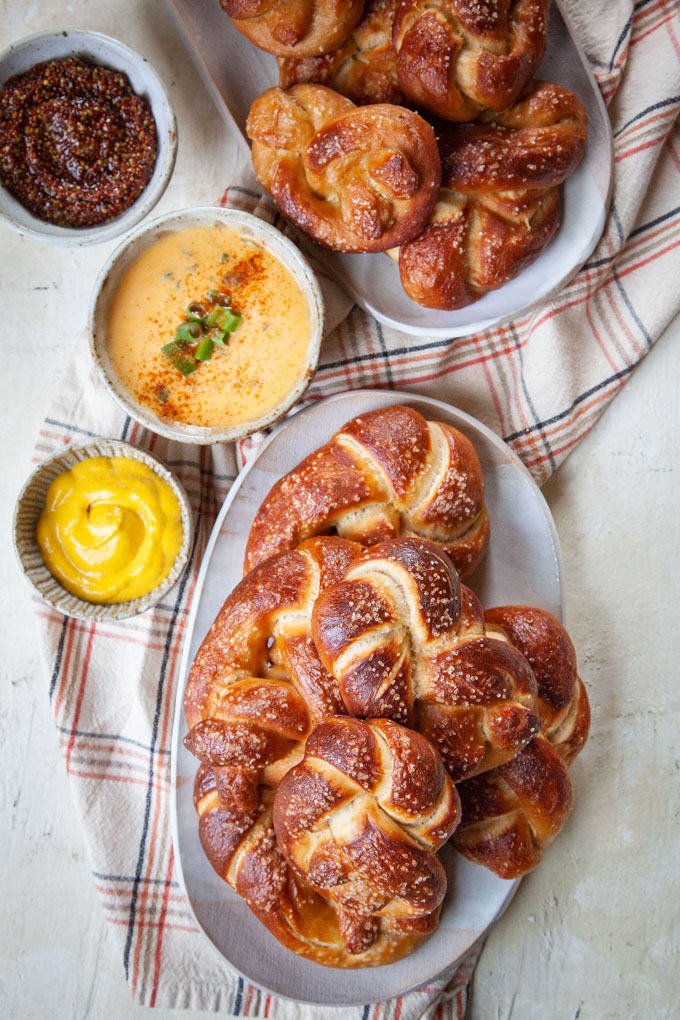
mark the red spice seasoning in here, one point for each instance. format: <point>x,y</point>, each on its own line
<point>77,146</point>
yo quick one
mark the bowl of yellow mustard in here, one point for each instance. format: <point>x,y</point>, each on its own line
<point>205,325</point>
<point>102,531</point>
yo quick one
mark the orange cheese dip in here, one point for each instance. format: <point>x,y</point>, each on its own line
<point>265,355</point>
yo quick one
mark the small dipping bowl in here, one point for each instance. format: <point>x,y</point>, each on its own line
<point>94,48</point>
<point>249,227</point>
<point>30,505</point>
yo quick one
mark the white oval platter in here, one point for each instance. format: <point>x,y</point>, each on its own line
<point>523,565</point>
<point>235,72</point>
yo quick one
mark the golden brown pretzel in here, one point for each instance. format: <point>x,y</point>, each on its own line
<point>498,207</point>
<point>511,813</point>
<point>355,179</point>
<point>255,688</point>
<point>393,635</point>
<point>385,473</point>
<point>361,818</point>
<point>290,28</point>
<point>459,57</point>
<point>363,68</point>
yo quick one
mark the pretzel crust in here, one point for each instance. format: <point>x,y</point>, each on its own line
<point>457,58</point>
<point>384,473</point>
<point>355,179</point>
<point>294,28</point>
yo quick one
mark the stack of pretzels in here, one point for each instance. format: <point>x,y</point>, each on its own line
<point>353,707</point>
<point>416,128</point>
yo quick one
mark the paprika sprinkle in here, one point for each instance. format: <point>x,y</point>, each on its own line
<point>77,146</point>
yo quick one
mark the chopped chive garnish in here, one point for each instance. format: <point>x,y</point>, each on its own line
<point>222,339</point>
<point>204,349</point>
<point>232,322</point>
<point>162,394</point>
<point>224,257</point>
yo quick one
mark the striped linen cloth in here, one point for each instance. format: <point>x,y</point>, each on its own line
<point>541,382</point>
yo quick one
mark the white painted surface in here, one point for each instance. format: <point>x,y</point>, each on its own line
<point>593,933</point>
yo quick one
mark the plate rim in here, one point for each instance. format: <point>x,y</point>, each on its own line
<point>398,396</point>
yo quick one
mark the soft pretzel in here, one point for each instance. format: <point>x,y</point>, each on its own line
<point>363,68</point>
<point>294,28</point>
<point>393,635</point>
<point>361,818</point>
<point>255,688</point>
<point>511,813</point>
<point>385,473</point>
<point>498,207</point>
<point>355,179</point>
<point>460,57</point>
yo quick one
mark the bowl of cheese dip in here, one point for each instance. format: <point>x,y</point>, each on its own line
<point>205,325</point>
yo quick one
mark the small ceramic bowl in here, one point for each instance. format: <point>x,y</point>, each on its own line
<point>94,48</point>
<point>30,505</point>
<point>116,266</point>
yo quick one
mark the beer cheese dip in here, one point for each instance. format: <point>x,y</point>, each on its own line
<point>201,278</point>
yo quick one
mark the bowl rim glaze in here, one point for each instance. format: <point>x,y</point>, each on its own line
<point>145,81</point>
<point>29,506</point>
<point>124,256</point>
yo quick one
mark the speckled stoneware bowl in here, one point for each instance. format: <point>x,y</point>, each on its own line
<point>203,216</point>
<point>30,505</point>
<point>94,48</point>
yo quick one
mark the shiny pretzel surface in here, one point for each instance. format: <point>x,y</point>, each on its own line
<point>294,28</point>
<point>385,473</point>
<point>498,207</point>
<point>355,179</point>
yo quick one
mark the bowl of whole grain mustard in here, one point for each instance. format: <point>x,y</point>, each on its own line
<point>88,137</point>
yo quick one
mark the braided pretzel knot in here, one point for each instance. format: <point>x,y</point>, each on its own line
<point>254,690</point>
<point>393,635</point>
<point>459,57</point>
<point>361,818</point>
<point>385,473</point>
<point>511,813</point>
<point>353,178</point>
<point>363,68</point>
<point>290,28</point>
<point>498,207</point>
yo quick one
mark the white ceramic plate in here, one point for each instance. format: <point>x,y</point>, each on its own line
<point>523,565</point>
<point>235,72</point>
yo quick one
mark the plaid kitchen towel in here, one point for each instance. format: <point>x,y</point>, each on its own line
<point>541,382</point>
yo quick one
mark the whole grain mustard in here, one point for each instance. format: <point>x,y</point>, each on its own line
<point>111,529</point>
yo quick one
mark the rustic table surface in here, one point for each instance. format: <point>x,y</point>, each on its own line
<point>593,940</point>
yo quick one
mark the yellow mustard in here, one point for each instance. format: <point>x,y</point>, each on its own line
<point>111,529</point>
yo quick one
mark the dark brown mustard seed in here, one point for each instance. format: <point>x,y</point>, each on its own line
<point>77,146</point>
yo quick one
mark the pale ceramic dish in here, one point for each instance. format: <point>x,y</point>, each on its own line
<point>30,505</point>
<point>203,216</point>
<point>95,48</point>
<point>235,72</point>
<point>523,565</point>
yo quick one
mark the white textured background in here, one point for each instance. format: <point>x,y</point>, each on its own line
<point>594,933</point>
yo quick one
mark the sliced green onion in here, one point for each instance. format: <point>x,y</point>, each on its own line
<point>224,257</point>
<point>212,295</point>
<point>231,323</point>
<point>204,349</point>
<point>162,394</point>
<point>196,312</point>
<point>188,332</point>
<point>186,366</point>
<point>222,339</point>
<point>214,317</point>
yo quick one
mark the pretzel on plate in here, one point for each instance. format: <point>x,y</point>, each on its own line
<point>356,179</point>
<point>363,68</point>
<point>254,691</point>
<point>360,820</point>
<point>457,58</point>
<point>511,813</point>
<point>385,473</point>
<point>498,207</point>
<point>294,28</point>
<point>406,643</point>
